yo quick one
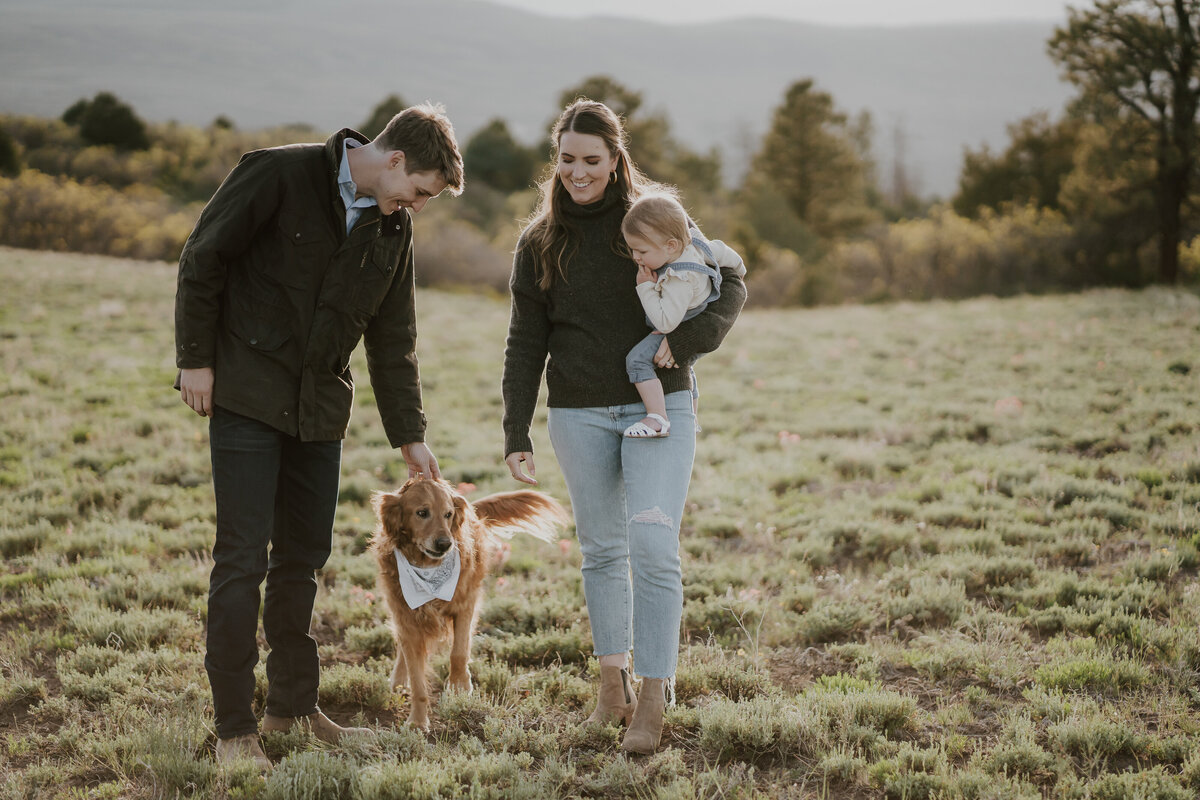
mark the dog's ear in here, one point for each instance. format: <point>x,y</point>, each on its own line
<point>389,508</point>
<point>460,510</point>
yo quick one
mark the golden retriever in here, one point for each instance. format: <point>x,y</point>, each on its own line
<point>426,521</point>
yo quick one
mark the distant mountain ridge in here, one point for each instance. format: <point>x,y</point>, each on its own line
<point>328,64</point>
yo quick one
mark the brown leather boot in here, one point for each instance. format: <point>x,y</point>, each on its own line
<point>236,748</point>
<point>645,732</point>
<point>315,723</point>
<point>615,700</point>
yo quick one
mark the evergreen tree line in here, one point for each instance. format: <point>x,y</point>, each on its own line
<point>1099,194</point>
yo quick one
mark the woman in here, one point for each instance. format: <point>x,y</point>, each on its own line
<point>574,300</point>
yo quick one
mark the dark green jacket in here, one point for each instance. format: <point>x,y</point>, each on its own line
<point>274,296</point>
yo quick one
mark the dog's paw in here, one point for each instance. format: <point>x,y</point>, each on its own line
<point>460,684</point>
<point>419,721</point>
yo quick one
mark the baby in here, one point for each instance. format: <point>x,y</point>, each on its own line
<point>678,276</point>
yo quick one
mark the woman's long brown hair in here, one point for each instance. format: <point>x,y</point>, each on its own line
<point>551,233</point>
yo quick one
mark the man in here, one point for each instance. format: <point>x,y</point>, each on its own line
<point>303,251</point>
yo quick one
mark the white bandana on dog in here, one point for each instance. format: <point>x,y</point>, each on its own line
<point>422,584</point>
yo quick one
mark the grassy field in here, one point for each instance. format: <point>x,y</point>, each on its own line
<point>938,550</point>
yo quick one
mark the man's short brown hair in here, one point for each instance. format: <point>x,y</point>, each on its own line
<point>426,137</point>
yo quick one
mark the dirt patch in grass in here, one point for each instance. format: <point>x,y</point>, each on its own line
<point>344,714</point>
<point>794,668</point>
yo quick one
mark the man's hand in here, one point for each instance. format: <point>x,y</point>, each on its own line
<point>421,461</point>
<point>514,462</point>
<point>196,389</point>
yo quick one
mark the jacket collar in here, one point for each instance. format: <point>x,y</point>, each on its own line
<point>394,223</point>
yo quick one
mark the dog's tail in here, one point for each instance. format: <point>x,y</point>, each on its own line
<point>508,513</point>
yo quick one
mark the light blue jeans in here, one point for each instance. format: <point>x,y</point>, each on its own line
<point>628,497</point>
<point>639,362</point>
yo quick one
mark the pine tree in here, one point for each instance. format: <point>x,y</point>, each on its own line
<point>1143,56</point>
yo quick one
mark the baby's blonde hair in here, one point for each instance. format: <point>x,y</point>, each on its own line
<point>656,217</point>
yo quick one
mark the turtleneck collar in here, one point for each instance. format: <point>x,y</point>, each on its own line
<point>611,199</point>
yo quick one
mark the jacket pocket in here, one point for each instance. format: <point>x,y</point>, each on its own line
<point>301,238</point>
<point>375,276</point>
<point>259,324</point>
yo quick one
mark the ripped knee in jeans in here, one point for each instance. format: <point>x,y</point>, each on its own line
<point>653,516</point>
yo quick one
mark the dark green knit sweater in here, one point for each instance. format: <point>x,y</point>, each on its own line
<point>588,323</point>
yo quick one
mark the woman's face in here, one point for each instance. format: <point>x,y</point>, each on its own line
<point>584,166</point>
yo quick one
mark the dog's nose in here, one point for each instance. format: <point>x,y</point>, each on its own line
<point>442,544</point>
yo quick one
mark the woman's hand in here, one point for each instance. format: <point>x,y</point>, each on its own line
<point>663,357</point>
<point>514,462</point>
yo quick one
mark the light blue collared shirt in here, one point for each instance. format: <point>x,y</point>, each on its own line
<point>348,188</point>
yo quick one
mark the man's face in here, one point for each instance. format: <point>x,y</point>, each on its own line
<point>399,189</point>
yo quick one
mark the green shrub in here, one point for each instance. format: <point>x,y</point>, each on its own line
<point>523,615</point>
<point>20,688</point>
<point>1019,754</point>
<point>930,602</point>
<point>713,671</point>
<point>538,649</point>
<point>1099,673</point>
<point>1022,758</point>
<point>1189,774</point>
<point>841,683</point>
<point>1151,784</point>
<point>313,775</point>
<point>10,156</point>
<point>1190,472</point>
<point>1160,565</point>
<point>133,628</point>
<point>1096,740</point>
<point>720,527</point>
<point>834,622</point>
<point>466,712</point>
<point>983,575</point>
<point>842,767</point>
<point>39,213</point>
<point>880,710</point>
<point>375,641</point>
<point>25,540</point>
<point>1047,704</point>
<point>908,785</point>
<point>501,734</point>
<point>106,120</point>
<point>1150,477</point>
<point>349,684</point>
<point>175,757</point>
<point>404,780</point>
<point>1025,250</point>
<point>762,729</point>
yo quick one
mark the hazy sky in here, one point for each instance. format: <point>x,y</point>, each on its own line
<point>844,12</point>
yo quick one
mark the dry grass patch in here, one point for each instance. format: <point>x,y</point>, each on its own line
<point>949,552</point>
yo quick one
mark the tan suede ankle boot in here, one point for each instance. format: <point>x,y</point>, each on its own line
<point>615,700</point>
<point>645,732</point>
<point>237,748</point>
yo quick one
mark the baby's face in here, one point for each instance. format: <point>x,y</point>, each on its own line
<point>651,254</point>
